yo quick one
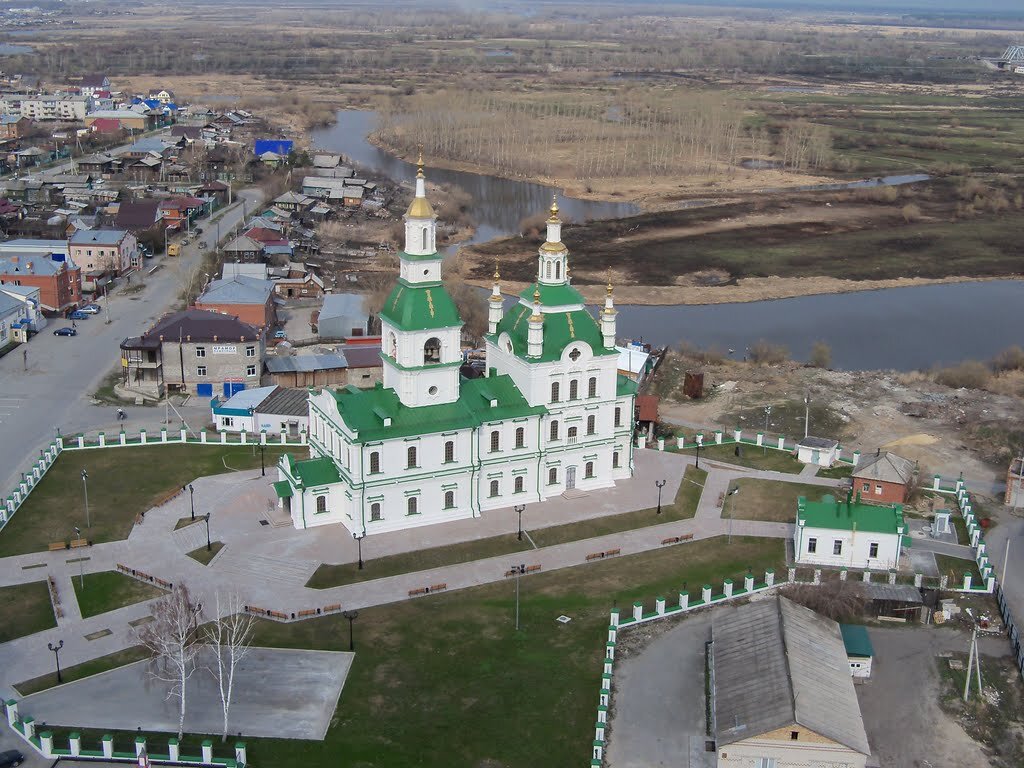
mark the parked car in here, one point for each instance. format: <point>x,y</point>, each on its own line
<point>11,758</point>
<point>65,332</point>
<point>78,315</point>
<point>90,309</point>
<point>198,230</point>
<point>280,335</point>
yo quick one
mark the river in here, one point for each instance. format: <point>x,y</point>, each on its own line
<point>898,328</point>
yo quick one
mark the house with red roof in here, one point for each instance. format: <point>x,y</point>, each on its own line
<point>106,125</point>
<point>178,211</point>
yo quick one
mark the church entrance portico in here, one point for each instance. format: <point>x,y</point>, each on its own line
<point>570,478</point>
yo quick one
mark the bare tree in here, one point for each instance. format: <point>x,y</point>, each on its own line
<point>171,638</point>
<point>229,638</point>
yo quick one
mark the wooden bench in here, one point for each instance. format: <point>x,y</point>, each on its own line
<point>611,552</point>
<point>670,540</point>
<point>58,545</point>
<point>595,556</point>
<point>332,608</point>
<point>420,591</point>
<point>532,568</point>
<point>310,612</point>
<point>437,587</point>
<point>76,543</point>
<point>686,537</point>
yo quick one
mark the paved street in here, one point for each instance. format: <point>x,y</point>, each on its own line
<point>53,392</point>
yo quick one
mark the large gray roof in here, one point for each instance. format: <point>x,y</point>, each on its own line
<point>777,663</point>
<point>305,363</point>
<point>98,237</point>
<point>240,289</point>
<point>885,467</point>
<point>286,402</point>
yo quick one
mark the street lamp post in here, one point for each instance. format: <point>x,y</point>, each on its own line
<point>359,543</point>
<point>518,570</point>
<point>660,484</point>
<point>81,567</point>
<point>85,490</point>
<point>700,441</point>
<point>209,546</point>
<point>519,510</point>
<point>351,616</point>
<point>767,413</point>
<point>192,499</point>
<point>733,492</point>
<point>56,655</point>
<point>807,413</point>
<point>263,467</point>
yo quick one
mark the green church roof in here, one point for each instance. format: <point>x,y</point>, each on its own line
<point>560,330</point>
<point>553,295</point>
<point>840,515</point>
<point>365,410</point>
<point>421,306</point>
<point>314,472</point>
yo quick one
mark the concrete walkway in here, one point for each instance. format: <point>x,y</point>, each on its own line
<point>269,566</point>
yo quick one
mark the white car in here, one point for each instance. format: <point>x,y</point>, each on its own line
<point>90,309</point>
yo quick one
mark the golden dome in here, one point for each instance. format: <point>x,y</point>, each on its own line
<point>554,208</point>
<point>497,276</point>
<point>609,281</point>
<point>419,164</point>
<point>553,247</point>
<point>420,209</point>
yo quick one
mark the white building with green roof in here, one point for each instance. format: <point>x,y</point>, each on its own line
<point>425,446</point>
<point>849,534</point>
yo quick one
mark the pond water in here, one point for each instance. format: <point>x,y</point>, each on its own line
<point>8,49</point>
<point>898,328</point>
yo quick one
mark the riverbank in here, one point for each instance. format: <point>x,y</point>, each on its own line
<point>744,291</point>
<point>649,194</point>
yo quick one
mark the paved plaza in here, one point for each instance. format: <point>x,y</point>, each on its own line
<point>284,694</point>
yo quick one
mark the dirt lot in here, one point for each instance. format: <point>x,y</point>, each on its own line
<point>900,703</point>
<point>946,430</point>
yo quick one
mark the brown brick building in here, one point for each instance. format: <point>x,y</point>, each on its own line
<point>58,279</point>
<point>884,478</point>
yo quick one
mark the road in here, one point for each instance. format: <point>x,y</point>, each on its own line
<point>53,392</point>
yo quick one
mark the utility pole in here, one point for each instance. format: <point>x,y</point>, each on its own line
<point>807,412</point>
<point>973,664</point>
<point>85,490</point>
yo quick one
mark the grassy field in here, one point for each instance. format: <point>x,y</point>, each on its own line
<point>955,568</point>
<point>86,669</point>
<point>750,456</point>
<point>768,500</point>
<point>204,555</point>
<point>109,590</point>
<point>450,670</point>
<point>24,610</point>
<point>683,507</point>
<point>123,483</point>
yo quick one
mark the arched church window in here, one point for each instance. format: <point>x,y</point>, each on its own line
<point>393,345</point>
<point>424,237</point>
<point>558,270</point>
<point>574,355</point>
<point>432,350</point>
<point>547,271</point>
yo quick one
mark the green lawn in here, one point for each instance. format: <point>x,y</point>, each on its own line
<point>446,681</point>
<point>955,568</point>
<point>204,555</point>
<point>838,472</point>
<point>123,483</point>
<point>682,508</point>
<point>769,500</point>
<point>85,669</point>
<point>108,590</point>
<point>750,456</point>
<point>24,610</point>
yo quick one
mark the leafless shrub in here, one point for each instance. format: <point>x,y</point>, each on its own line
<point>911,212</point>
<point>969,374</point>
<point>838,600</point>
<point>766,353</point>
<point>821,355</point>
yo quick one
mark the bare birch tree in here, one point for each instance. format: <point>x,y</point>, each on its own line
<point>171,638</point>
<point>229,638</point>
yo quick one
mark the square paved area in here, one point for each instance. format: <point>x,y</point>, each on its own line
<point>278,693</point>
<point>658,698</point>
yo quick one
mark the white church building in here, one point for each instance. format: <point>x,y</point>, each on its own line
<point>426,446</point>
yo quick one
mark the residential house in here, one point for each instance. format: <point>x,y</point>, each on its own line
<point>218,190</point>
<point>352,197</point>
<point>859,651</point>
<point>849,534</point>
<point>323,187</point>
<point>89,84</point>
<point>249,299</point>
<point>326,161</point>
<point>820,451</point>
<point>304,285</point>
<point>14,126</point>
<point>231,269</point>
<point>150,147</point>
<point>190,133</point>
<point>270,159</point>
<point>194,351</point>
<point>96,165</point>
<point>343,315</point>
<point>105,252</point>
<point>128,120</point>
<point>243,248</point>
<point>782,693</point>
<point>273,409</point>
<point>884,478</point>
<point>280,147</point>
<point>163,95</point>
<point>634,361</point>
<point>358,365</point>
<point>293,202</point>
<point>31,156</point>
<point>141,217</point>
<point>32,319</point>
<point>106,125</point>
<point>179,212</point>
<point>57,278</point>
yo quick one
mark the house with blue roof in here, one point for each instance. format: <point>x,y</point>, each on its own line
<point>282,147</point>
